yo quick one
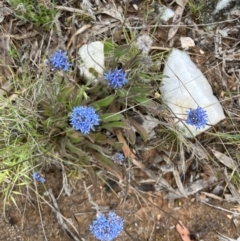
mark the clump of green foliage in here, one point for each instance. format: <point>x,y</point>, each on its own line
<point>35,12</point>
<point>36,122</point>
<point>195,7</point>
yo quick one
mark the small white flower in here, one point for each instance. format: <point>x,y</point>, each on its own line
<point>144,43</point>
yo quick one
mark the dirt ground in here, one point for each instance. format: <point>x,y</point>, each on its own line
<point>141,211</point>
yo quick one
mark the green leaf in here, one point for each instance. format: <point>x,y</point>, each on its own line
<point>76,137</point>
<point>141,90</point>
<point>80,153</point>
<point>108,47</point>
<point>117,145</point>
<point>108,164</point>
<point>116,124</point>
<point>94,147</point>
<point>104,102</point>
<point>121,50</point>
<point>151,105</point>
<point>108,117</point>
<point>65,93</point>
<point>121,92</point>
<point>140,129</point>
<point>142,100</point>
<point>93,72</point>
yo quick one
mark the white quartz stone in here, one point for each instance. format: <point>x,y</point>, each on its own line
<point>167,14</point>
<point>91,57</point>
<point>183,87</point>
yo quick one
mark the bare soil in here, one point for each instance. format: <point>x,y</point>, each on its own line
<point>141,211</point>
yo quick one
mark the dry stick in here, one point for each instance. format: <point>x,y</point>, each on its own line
<point>40,214</point>
<point>79,31</point>
<point>128,153</point>
<point>60,219</point>
<point>223,209</point>
<point>53,207</point>
<point>90,198</point>
<point>75,10</point>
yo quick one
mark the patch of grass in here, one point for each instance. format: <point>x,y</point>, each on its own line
<point>35,12</point>
<point>195,7</point>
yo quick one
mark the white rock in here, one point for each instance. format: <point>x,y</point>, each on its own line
<point>221,5</point>
<point>186,87</point>
<point>165,13</point>
<point>186,42</point>
<point>92,57</point>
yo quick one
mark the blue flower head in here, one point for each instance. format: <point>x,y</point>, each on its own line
<point>84,119</point>
<point>107,228</point>
<point>37,177</point>
<point>59,61</point>
<point>197,117</point>
<point>118,157</point>
<point>116,79</point>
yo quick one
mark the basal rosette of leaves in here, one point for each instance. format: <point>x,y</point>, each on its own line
<point>109,105</point>
<point>80,116</point>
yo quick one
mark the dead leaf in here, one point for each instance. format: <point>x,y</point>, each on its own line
<point>225,238</point>
<point>125,148</point>
<point>5,60</point>
<point>191,188</point>
<point>183,232</point>
<point>114,13</point>
<point>225,160</point>
<point>79,31</point>
<point>211,195</point>
<point>76,10</point>
<point>179,182</point>
<point>149,124</point>
<point>4,11</point>
<point>181,3</point>
<point>177,19</point>
<point>231,187</point>
<point>140,129</point>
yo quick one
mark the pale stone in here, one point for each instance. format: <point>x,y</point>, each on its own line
<point>92,58</point>
<point>183,87</point>
<point>165,13</point>
<point>186,42</point>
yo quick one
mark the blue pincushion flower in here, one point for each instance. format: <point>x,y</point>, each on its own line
<point>197,117</point>
<point>116,79</point>
<point>59,61</point>
<point>37,177</point>
<point>107,228</point>
<point>118,157</point>
<point>84,119</point>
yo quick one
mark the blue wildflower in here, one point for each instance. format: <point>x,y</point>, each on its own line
<point>37,177</point>
<point>118,157</point>
<point>197,117</point>
<point>84,119</point>
<point>107,228</point>
<point>116,78</point>
<point>59,61</point>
